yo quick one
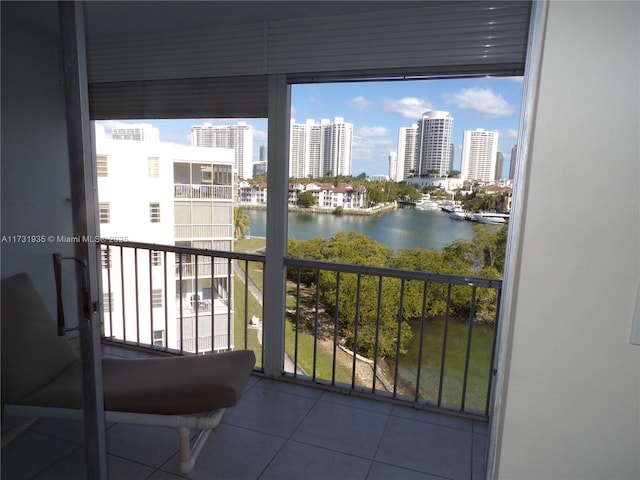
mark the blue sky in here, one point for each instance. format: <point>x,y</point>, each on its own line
<point>378,109</point>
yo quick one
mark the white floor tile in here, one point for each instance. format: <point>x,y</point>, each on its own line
<point>305,462</point>
<point>232,453</point>
<point>151,446</point>
<point>427,448</point>
<point>382,471</point>
<point>344,429</point>
<point>32,453</point>
<point>269,411</point>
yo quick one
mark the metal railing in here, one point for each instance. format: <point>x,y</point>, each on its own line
<point>418,337</point>
<point>161,302</point>
<point>215,192</point>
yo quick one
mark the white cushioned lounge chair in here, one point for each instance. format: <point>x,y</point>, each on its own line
<point>42,378</point>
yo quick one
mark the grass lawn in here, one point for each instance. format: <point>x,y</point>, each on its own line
<point>452,386</point>
<point>247,245</point>
<point>324,359</point>
<point>254,308</point>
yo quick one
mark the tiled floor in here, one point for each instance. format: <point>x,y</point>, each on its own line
<point>278,431</point>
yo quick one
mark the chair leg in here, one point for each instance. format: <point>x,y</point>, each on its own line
<point>186,462</point>
<point>188,455</point>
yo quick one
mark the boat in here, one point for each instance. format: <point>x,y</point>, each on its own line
<point>427,205</point>
<point>491,218</point>
<point>458,214</point>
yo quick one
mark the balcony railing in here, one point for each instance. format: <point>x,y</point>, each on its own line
<point>207,231</point>
<point>417,337</point>
<point>214,192</point>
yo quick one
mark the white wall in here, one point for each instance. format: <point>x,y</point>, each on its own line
<point>35,163</point>
<point>571,405</point>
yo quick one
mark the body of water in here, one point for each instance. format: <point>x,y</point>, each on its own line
<point>397,229</point>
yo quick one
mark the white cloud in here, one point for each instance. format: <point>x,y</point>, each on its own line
<point>508,135</point>
<point>408,107</point>
<point>373,132</point>
<point>482,101</point>
<point>360,103</point>
<point>370,154</point>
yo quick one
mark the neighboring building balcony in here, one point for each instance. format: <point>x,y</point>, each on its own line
<point>207,231</point>
<point>202,269</point>
<point>211,192</point>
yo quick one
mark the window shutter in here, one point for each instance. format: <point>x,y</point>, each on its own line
<point>222,71</point>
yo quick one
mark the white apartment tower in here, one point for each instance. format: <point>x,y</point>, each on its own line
<point>143,132</point>
<point>338,139</point>
<point>166,194</point>
<point>434,143</point>
<point>239,137</point>
<point>512,161</point>
<point>407,152</point>
<point>393,166</point>
<point>316,150</point>
<point>479,155</point>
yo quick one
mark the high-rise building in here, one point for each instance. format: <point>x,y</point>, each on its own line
<point>499,165</point>
<point>142,132</point>
<point>318,150</point>
<point>259,168</point>
<point>479,155</point>
<point>407,152</point>
<point>239,137</point>
<point>393,166</point>
<point>338,138</point>
<point>512,161</point>
<point>434,143</point>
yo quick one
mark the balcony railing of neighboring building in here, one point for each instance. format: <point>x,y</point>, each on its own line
<point>203,231</point>
<point>421,338</point>
<point>212,192</point>
<point>188,270</point>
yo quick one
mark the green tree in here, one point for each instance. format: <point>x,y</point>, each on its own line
<point>306,199</point>
<point>241,222</point>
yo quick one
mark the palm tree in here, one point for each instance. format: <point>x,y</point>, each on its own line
<point>241,222</point>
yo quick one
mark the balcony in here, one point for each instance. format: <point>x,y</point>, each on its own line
<point>214,192</point>
<point>279,430</point>
<point>420,411</point>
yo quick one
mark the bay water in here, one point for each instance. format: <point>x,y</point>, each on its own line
<point>397,229</point>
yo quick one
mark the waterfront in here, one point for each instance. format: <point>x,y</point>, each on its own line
<point>397,229</point>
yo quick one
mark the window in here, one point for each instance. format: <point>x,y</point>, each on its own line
<point>158,338</point>
<point>156,298</point>
<point>154,167</point>
<point>107,302</point>
<point>154,212</point>
<point>102,166</point>
<point>156,259</point>
<point>105,255</point>
<point>104,212</point>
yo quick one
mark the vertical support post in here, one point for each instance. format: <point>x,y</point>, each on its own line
<point>533,66</point>
<point>278,180</point>
<point>83,205</point>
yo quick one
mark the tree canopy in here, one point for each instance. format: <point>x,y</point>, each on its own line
<point>359,321</point>
<point>306,199</point>
<point>241,222</point>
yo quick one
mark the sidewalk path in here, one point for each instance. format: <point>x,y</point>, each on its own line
<point>257,294</point>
